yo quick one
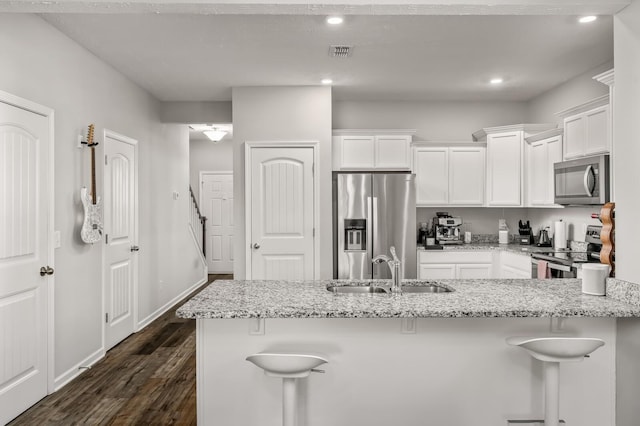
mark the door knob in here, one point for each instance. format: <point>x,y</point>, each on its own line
<point>256,246</point>
<point>46,270</point>
<point>135,248</point>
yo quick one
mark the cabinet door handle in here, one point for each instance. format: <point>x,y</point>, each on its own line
<point>135,248</point>
<point>587,187</point>
<point>256,246</point>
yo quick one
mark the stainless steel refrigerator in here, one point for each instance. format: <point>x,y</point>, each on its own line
<point>371,213</point>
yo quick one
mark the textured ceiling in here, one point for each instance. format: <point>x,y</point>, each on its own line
<point>195,57</point>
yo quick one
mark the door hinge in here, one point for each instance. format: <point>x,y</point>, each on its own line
<point>313,169</point>
<point>106,317</point>
<point>105,160</point>
<point>106,238</point>
<point>314,232</point>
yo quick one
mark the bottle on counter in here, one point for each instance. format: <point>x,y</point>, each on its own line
<point>503,232</point>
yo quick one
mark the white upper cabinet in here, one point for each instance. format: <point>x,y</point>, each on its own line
<point>587,129</point>
<point>542,151</point>
<point>505,162</point>
<point>449,175</point>
<point>504,169</point>
<point>466,175</point>
<point>431,166</point>
<point>372,149</point>
<point>357,152</point>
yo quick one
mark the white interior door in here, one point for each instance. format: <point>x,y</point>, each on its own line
<point>25,190</point>
<point>281,201</point>
<point>120,228</point>
<point>216,199</point>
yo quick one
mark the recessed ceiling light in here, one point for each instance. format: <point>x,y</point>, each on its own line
<point>587,19</point>
<point>496,80</point>
<point>335,20</point>
<point>326,81</point>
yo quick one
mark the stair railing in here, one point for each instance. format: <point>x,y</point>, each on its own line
<point>197,222</point>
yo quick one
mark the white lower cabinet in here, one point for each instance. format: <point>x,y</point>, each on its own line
<point>436,271</point>
<point>458,264</point>
<point>474,271</point>
<point>515,265</point>
<point>455,264</point>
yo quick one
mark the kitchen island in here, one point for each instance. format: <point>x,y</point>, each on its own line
<point>410,359</point>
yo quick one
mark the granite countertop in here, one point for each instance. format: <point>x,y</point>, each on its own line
<point>515,248</point>
<point>471,298</point>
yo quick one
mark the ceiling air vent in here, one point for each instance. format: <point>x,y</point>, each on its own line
<point>340,51</point>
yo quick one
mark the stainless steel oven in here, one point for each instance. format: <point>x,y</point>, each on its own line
<point>582,182</point>
<point>557,269</point>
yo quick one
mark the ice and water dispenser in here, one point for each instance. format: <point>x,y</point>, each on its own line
<point>355,234</point>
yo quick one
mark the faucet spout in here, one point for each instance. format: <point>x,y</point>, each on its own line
<point>394,266</point>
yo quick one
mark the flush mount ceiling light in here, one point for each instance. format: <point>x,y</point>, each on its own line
<point>326,81</point>
<point>215,134</point>
<point>496,80</point>
<point>587,19</point>
<point>335,20</point>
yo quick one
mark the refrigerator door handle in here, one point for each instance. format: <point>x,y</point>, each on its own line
<point>373,215</point>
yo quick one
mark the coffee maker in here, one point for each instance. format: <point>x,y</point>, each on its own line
<point>447,229</point>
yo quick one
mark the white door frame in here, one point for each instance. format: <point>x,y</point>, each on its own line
<point>247,199</point>
<point>47,112</point>
<point>125,139</point>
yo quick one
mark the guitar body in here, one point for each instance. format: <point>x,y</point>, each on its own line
<point>91,231</point>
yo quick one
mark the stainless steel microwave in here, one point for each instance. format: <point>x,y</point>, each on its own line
<point>583,181</point>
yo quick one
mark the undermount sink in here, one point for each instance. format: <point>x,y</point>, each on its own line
<point>356,289</point>
<point>359,289</point>
<point>430,288</point>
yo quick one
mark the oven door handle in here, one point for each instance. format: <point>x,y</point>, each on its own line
<point>551,265</point>
<point>588,188</point>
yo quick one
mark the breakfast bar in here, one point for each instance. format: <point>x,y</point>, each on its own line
<point>410,359</point>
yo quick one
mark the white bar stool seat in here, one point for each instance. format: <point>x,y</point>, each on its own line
<point>290,367</point>
<point>552,351</point>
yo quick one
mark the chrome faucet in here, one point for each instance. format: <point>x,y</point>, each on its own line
<point>394,266</point>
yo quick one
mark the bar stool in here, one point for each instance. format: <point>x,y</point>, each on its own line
<point>552,351</point>
<point>290,367</point>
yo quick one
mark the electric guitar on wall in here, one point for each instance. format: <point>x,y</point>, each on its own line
<point>91,231</point>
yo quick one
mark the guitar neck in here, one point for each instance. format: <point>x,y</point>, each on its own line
<point>92,145</point>
<point>93,175</point>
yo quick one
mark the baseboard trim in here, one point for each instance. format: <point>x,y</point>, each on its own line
<point>63,379</point>
<point>164,308</point>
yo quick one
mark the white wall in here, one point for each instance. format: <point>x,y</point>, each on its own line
<point>283,113</point>
<point>626,125</point>
<point>43,65</point>
<point>433,120</point>
<point>580,89</point>
<point>626,113</point>
<point>196,112</point>
<point>206,156</point>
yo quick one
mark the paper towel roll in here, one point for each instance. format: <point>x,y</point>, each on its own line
<point>559,235</point>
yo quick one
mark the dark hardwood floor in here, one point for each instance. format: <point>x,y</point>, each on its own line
<point>147,379</point>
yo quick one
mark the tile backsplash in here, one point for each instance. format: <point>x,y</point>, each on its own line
<point>483,221</point>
